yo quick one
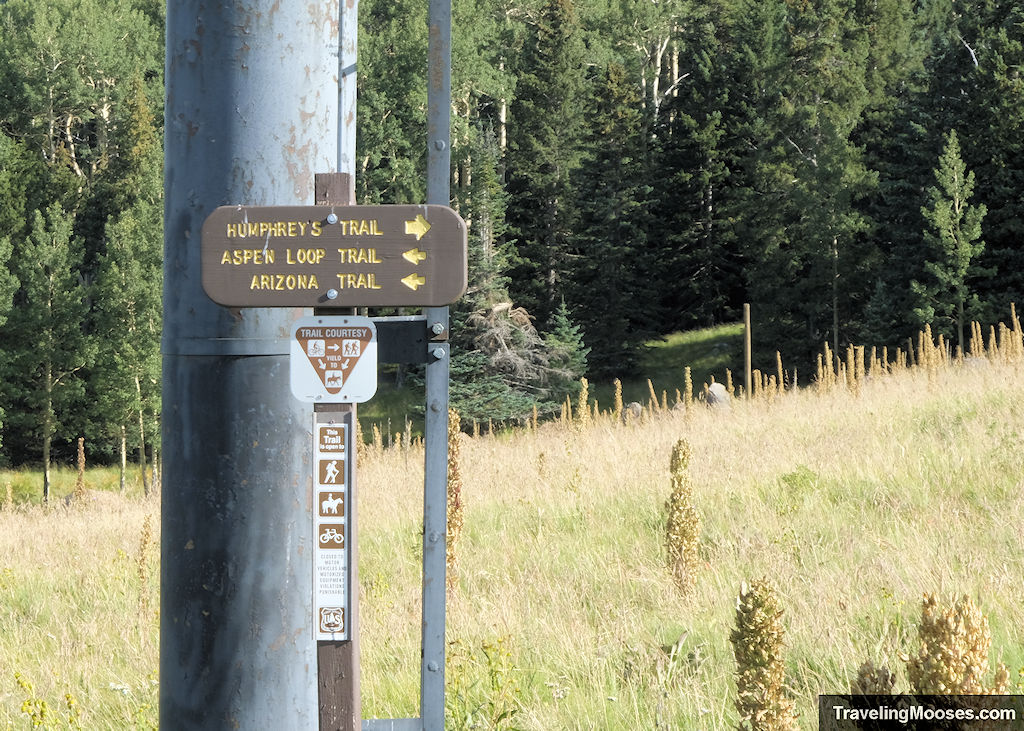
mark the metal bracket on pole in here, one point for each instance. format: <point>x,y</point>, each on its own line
<point>409,339</point>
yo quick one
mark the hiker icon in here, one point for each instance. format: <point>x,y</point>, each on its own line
<point>331,472</point>
<point>351,348</point>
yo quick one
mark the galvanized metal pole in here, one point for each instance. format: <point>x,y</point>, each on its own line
<point>249,119</point>
<point>347,64</point>
<point>435,485</point>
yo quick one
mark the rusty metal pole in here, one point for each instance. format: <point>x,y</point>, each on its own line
<point>249,119</point>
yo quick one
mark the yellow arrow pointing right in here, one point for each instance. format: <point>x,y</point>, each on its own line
<point>414,281</point>
<point>418,226</point>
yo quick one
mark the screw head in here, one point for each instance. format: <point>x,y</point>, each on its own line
<point>438,353</point>
<point>437,328</point>
<point>332,218</point>
<point>332,294</point>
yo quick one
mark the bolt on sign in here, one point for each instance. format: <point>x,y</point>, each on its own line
<point>324,256</point>
<point>331,480</point>
<point>334,359</point>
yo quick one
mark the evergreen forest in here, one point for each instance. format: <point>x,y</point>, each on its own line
<point>853,169</point>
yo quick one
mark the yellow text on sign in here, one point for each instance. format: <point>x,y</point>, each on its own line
<point>238,257</point>
<point>284,282</point>
<point>278,229</point>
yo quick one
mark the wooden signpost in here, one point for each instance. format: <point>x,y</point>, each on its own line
<point>332,481</point>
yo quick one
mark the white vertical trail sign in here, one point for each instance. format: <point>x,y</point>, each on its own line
<point>331,480</point>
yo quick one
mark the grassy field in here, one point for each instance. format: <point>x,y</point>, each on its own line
<point>79,606</point>
<point>563,614</point>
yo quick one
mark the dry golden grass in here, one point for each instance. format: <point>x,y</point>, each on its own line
<point>76,623</point>
<point>564,615</point>
<point>853,504</point>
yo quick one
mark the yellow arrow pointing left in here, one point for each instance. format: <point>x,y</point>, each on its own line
<point>414,281</point>
<point>414,256</point>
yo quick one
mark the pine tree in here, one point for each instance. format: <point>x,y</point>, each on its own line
<point>390,149</point>
<point>497,367</point>
<point>810,175</point>
<point>124,385</point>
<point>607,268</point>
<point>8,286</point>
<point>16,167</point>
<point>544,152</point>
<point>567,354</point>
<point>953,241</point>
<point>992,142</point>
<point>482,202</point>
<point>702,139</point>
<point>892,135</point>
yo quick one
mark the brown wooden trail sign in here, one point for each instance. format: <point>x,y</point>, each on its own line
<point>334,256</point>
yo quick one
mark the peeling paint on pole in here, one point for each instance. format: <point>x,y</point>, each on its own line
<point>250,116</point>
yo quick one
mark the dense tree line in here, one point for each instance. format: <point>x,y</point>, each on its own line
<point>81,243</point>
<point>852,169</point>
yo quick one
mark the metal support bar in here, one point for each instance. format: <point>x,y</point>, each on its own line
<point>435,529</point>
<point>435,483</point>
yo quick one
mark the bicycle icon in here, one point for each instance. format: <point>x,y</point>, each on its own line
<point>329,535</point>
